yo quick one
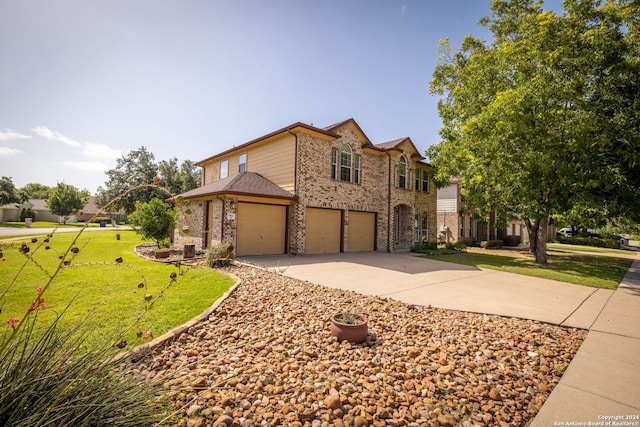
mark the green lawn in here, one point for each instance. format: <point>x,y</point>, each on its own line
<point>589,270</point>
<point>578,248</point>
<point>102,289</point>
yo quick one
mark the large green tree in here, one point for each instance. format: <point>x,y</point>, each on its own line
<point>139,169</point>
<point>134,169</point>
<point>179,178</point>
<point>545,116</point>
<point>36,191</point>
<point>65,198</point>
<point>8,192</point>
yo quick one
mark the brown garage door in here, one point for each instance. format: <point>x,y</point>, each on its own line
<point>261,229</point>
<point>361,231</point>
<point>323,233</point>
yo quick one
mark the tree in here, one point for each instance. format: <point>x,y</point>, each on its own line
<point>532,123</point>
<point>153,220</point>
<point>36,191</point>
<point>179,179</point>
<point>136,168</point>
<point>8,192</point>
<point>65,198</point>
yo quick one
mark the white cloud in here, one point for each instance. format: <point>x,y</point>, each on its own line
<point>6,151</point>
<point>100,151</point>
<point>47,133</point>
<point>91,166</point>
<point>8,135</point>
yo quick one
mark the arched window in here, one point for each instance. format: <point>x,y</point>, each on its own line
<point>402,172</point>
<point>345,163</point>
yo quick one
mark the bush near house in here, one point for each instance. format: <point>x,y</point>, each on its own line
<point>512,240</point>
<point>589,241</point>
<point>489,244</point>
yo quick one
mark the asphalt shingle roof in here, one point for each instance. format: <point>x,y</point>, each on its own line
<point>245,183</point>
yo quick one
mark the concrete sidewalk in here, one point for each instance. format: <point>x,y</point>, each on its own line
<point>602,380</point>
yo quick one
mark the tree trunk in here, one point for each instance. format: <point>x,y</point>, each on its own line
<point>541,249</point>
<point>532,229</point>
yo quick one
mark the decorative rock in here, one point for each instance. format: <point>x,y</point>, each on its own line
<point>446,420</point>
<point>494,394</point>
<point>271,358</point>
<point>333,401</point>
<point>223,420</point>
<point>360,421</point>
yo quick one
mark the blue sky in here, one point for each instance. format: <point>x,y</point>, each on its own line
<point>83,82</point>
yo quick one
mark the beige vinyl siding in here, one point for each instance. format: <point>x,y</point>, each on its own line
<point>274,160</point>
<point>447,199</point>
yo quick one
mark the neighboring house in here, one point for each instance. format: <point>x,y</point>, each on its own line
<point>457,224</point>
<point>309,190</point>
<point>11,212</point>
<point>92,210</point>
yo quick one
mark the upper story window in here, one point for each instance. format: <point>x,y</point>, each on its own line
<point>422,180</point>
<point>346,166</point>
<point>224,169</point>
<point>425,181</point>
<point>242,162</point>
<point>402,172</point>
<point>345,163</point>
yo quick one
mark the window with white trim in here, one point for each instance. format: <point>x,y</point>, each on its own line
<point>425,181</point>
<point>242,162</point>
<point>224,169</point>
<point>345,163</point>
<point>402,172</point>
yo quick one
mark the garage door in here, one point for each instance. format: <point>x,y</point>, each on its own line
<point>261,229</point>
<point>361,232</point>
<point>322,231</point>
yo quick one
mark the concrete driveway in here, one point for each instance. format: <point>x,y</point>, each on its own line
<point>409,278</point>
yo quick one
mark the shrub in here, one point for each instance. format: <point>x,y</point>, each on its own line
<point>512,240</point>
<point>491,244</point>
<point>425,246</point>
<point>456,246</point>
<point>153,220</point>
<point>99,219</point>
<point>467,241</point>
<point>589,241</point>
<point>219,255</point>
<point>27,213</point>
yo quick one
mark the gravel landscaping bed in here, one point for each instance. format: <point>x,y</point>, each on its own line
<point>265,357</point>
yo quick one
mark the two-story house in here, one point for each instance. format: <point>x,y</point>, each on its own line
<point>308,190</point>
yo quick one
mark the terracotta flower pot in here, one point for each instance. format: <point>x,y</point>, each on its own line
<point>351,327</point>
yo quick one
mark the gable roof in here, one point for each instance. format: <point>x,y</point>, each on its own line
<point>393,145</point>
<point>358,130</point>
<point>292,128</point>
<point>244,183</point>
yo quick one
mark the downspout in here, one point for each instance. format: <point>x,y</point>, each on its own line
<point>389,204</point>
